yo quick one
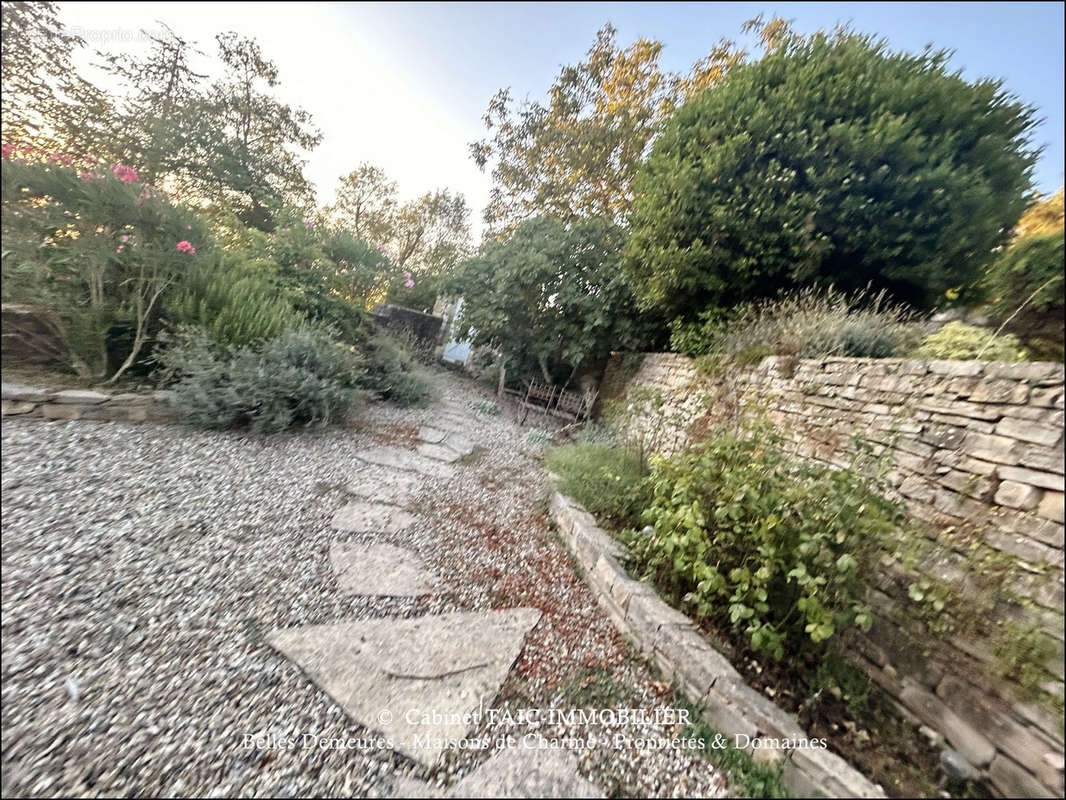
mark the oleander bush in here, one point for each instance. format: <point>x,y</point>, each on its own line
<point>752,537</point>
<point>605,478</point>
<point>300,378</point>
<point>963,342</point>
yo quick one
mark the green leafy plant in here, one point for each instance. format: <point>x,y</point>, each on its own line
<point>235,300</point>
<point>300,378</point>
<point>604,478</point>
<point>960,341</point>
<point>485,406</point>
<point>539,436</point>
<point>757,539</point>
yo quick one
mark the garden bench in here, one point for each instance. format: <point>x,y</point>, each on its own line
<point>549,399</point>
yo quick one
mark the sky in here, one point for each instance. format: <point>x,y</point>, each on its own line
<point>404,85</point>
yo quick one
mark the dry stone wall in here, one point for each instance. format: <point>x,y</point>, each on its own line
<point>31,401</point>
<point>976,451</point>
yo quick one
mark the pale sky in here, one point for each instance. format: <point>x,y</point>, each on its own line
<point>404,85</point>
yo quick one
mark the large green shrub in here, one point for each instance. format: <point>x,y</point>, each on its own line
<point>235,300</point>
<point>963,342</point>
<point>808,323</point>
<point>393,373</point>
<point>604,478</point>
<point>302,378</point>
<point>1025,286</point>
<point>752,537</point>
<point>833,160</point>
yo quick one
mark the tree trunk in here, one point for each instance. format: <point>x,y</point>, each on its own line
<point>503,379</point>
<point>543,362</point>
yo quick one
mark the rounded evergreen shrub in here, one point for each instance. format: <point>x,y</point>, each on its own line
<point>959,341</point>
<point>301,377</point>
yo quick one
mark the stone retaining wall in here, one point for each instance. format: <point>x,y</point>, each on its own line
<point>976,451</point>
<point>29,401</point>
<point>669,638</point>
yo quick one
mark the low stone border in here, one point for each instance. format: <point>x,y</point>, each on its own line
<point>30,401</point>
<point>671,640</point>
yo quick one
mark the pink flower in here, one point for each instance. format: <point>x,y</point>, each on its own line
<point>62,277</point>
<point>410,284</point>
<point>186,247</point>
<point>124,173</point>
<point>7,150</point>
<point>309,225</point>
<point>120,248</point>
<point>125,237</point>
<point>85,176</point>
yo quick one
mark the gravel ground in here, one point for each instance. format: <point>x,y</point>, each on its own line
<point>143,565</point>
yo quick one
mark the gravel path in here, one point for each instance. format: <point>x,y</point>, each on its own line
<point>144,565</point>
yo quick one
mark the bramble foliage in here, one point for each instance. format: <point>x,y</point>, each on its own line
<point>604,478</point>
<point>963,342</point>
<point>807,323</point>
<point>771,544</point>
<point>832,160</point>
<point>299,378</point>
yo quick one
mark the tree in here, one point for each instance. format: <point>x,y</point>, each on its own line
<point>830,160</point>
<point>550,294</point>
<point>160,120</point>
<point>1044,216</point>
<point>424,238</point>
<point>430,236</point>
<point>365,204</point>
<point>576,155</point>
<point>45,103</point>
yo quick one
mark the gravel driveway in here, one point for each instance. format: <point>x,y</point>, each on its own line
<point>144,565</point>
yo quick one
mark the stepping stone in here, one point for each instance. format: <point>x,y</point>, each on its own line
<point>382,485</point>
<point>438,452</point>
<point>459,443</point>
<point>417,681</point>
<point>434,439</point>
<point>427,433</point>
<point>406,460</point>
<point>361,516</point>
<point>380,569</point>
<point>526,772</point>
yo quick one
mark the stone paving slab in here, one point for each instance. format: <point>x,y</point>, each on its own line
<point>438,452</point>
<point>417,681</point>
<point>380,569</point>
<point>361,516</point>
<point>385,485</point>
<point>428,433</point>
<point>399,458</point>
